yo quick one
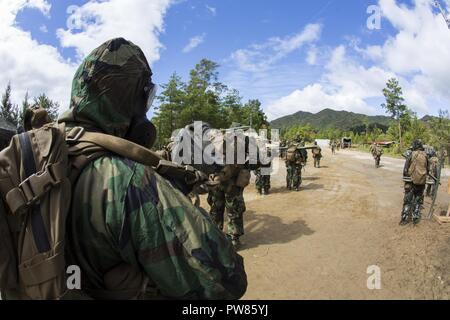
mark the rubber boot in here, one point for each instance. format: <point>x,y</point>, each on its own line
<point>417,215</point>
<point>405,215</point>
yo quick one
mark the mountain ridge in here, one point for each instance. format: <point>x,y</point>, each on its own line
<point>329,118</point>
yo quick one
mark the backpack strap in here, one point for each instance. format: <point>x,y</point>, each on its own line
<point>86,146</point>
<point>37,183</point>
<point>117,145</point>
<point>37,223</point>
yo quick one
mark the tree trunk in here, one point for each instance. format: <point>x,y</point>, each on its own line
<point>400,133</point>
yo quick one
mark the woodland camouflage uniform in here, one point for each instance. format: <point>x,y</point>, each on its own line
<point>228,197</point>
<point>416,168</point>
<point>377,152</point>
<point>294,168</point>
<point>129,227</point>
<point>262,181</point>
<point>434,164</point>
<point>262,174</point>
<point>317,155</point>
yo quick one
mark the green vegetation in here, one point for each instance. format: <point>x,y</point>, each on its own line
<point>14,115</point>
<point>395,106</point>
<point>402,127</point>
<point>203,98</point>
<point>331,119</point>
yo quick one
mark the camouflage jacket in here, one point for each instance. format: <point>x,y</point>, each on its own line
<point>123,213</point>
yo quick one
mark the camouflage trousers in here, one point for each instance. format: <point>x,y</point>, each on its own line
<point>377,160</point>
<point>412,202</point>
<point>293,176</point>
<point>262,182</point>
<point>317,162</point>
<point>231,200</point>
<point>430,190</point>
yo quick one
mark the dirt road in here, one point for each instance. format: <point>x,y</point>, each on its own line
<point>319,242</point>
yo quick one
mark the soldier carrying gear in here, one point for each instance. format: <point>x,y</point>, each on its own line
<point>377,152</point>
<point>415,176</point>
<point>228,196</point>
<point>296,158</point>
<point>433,170</point>
<point>263,176</point>
<point>333,147</point>
<point>132,233</point>
<point>317,155</point>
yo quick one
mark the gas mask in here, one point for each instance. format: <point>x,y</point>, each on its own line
<point>141,130</point>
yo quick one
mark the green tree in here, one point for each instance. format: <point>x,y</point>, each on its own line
<point>172,102</point>
<point>203,95</point>
<point>8,110</point>
<point>232,105</point>
<point>202,98</point>
<point>25,105</point>
<point>253,115</point>
<point>51,106</point>
<point>395,104</point>
<point>440,131</point>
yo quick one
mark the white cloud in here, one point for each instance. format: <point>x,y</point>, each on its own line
<point>40,68</point>
<point>42,5</point>
<point>345,85</point>
<point>417,53</point>
<point>194,43</point>
<point>95,22</point>
<point>261,56</point>
<point>43,28</point>
<point>311,57</point>
<point>29,65</point>
<point>212,10</point>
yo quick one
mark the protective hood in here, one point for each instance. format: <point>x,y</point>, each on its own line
<point>108,89</point>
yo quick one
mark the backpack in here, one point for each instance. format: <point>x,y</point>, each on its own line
<point>36,191</point>
<point>37,171</point>
<point>291,154</point>
<point>418,167</point>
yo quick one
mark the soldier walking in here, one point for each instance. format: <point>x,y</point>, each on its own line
<point>333,147</point>
<point>377,152</point>
<point>317,155</point>
<point>296,158</point>
<point>415,173</point>
<point>433,167</point>
<point>229,196</point>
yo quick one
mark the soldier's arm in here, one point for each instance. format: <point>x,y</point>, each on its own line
<point>178,246</point>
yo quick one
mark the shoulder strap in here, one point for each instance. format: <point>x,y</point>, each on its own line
<point>117,145</point>
<point>85,147</point>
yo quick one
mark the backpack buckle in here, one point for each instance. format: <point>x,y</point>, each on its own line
<point>75,134</point>
<point>39,183</point>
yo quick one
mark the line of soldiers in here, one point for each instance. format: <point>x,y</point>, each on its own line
<point>225,195</point>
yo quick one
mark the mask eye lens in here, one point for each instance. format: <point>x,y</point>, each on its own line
<point>150,90</point>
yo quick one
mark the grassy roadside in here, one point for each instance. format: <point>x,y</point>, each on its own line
<point>387,151</point>
<point>390,152</point>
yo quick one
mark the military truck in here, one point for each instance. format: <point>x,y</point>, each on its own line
<point>346,143</point>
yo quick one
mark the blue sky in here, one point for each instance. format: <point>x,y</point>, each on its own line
<point>292,55</point>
